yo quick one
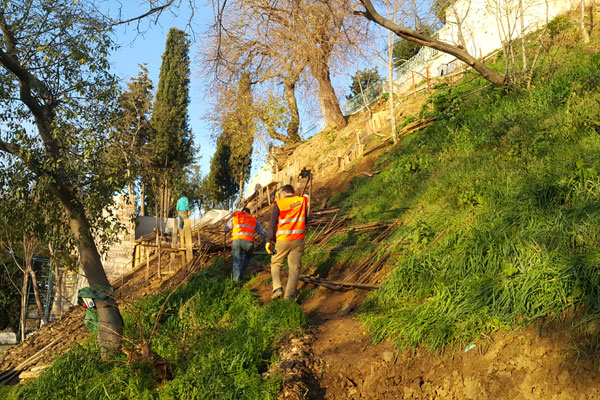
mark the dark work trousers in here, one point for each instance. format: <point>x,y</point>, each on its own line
<point>242,253</point>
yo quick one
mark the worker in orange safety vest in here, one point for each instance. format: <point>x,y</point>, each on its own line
<point>288,229</point>
<point>243,227</point>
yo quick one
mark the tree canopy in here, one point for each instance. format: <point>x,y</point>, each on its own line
<point>170,146</point>
<point>361,80</point>
<point>58,98</point>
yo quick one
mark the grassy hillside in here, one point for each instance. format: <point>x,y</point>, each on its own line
<point>215,334</point>
<point>500,205</point>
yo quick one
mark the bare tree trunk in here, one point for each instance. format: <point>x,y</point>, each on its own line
<point>294,124</point>
<point>461,37</point>
<point>330,106</point>
<point>592,16</point>
<point>241,185</point>
<point>110,322</point>
<point>584,32</point>
<point>59,288</point>
<point>24,304</point>
<point>129,183</point>
<point>523,52</point>
<point>273,132</point>
<point>29,247</point>
<point>36,295</point>
<point>391,84</point>
<point>143,199</point>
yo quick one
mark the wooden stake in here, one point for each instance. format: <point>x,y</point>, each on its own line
<point>187,229</point>
<point>428,84</point>
<point>147,250</point>
<point>137,255</point>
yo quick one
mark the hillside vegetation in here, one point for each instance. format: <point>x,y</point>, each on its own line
<point>499,204</point>
<point>498,208</point>
<point>217,338</point>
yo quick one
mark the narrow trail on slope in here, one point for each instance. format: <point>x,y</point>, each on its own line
<point>532,363</point>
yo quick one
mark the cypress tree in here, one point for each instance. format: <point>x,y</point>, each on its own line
<point>170,148</point>
<point>220,183</point>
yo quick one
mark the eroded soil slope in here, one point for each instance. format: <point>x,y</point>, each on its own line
<point>554,362</point>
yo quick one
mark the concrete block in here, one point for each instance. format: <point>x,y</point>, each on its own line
<point>8,337</point>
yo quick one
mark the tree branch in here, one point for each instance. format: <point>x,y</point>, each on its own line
<point>9,148</point>
<point>155,10</point>
<point>406,33</point>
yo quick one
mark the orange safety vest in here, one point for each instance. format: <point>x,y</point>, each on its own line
<point>291,224</point>
<point>243,226</point>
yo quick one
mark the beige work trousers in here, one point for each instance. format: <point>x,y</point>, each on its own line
<point>293,251</point>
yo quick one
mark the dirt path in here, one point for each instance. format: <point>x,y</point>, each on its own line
<point>533,363</point>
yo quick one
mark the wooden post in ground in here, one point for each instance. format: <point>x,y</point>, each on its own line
<point>137,255</point>
<point>187,229</point>
<point>175,241</point>
<point>158,246</point>
<point>310,192</point>
<point>347,159</point>
<point>428,84</point>
<point>147,277</point>
<point>359,145</point>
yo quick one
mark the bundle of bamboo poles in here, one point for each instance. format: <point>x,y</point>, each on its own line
<point>368,271</point>
<point>329,284</point>
<point>324,231</point>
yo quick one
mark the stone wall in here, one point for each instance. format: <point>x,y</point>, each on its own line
<point>117,260</point>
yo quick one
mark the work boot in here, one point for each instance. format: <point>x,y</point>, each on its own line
<point>277,293</point>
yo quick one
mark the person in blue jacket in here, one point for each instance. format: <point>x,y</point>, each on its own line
<point>183,209</point>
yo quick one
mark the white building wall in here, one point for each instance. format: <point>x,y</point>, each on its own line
<point>262,178</point>
<point>486,24</point>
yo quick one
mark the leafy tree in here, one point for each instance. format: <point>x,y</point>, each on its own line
<point>21,230</point>
<point>361,80</point>
<point>404,49</point>
<point>57,100</point>
<point>169,149</point>
<point>238,131</point>
<point>132,125</point>
<point>439,8</point>
<point>220,183</point>
<point>9,293</point>
<point>193,186</point>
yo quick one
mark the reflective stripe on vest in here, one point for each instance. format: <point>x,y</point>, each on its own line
<point>243,226</point>
<point>291,224</point>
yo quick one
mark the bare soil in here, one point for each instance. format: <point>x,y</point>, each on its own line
<point>552,362</point>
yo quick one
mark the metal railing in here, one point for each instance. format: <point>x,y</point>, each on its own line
<point>401,74</point>
<point>229,204</point>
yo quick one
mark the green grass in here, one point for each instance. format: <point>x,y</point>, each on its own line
<point>500,204</point>
<point>214,332</point>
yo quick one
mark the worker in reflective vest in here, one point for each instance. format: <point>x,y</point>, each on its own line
<point>288,228</point>
<point>243,226</point>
